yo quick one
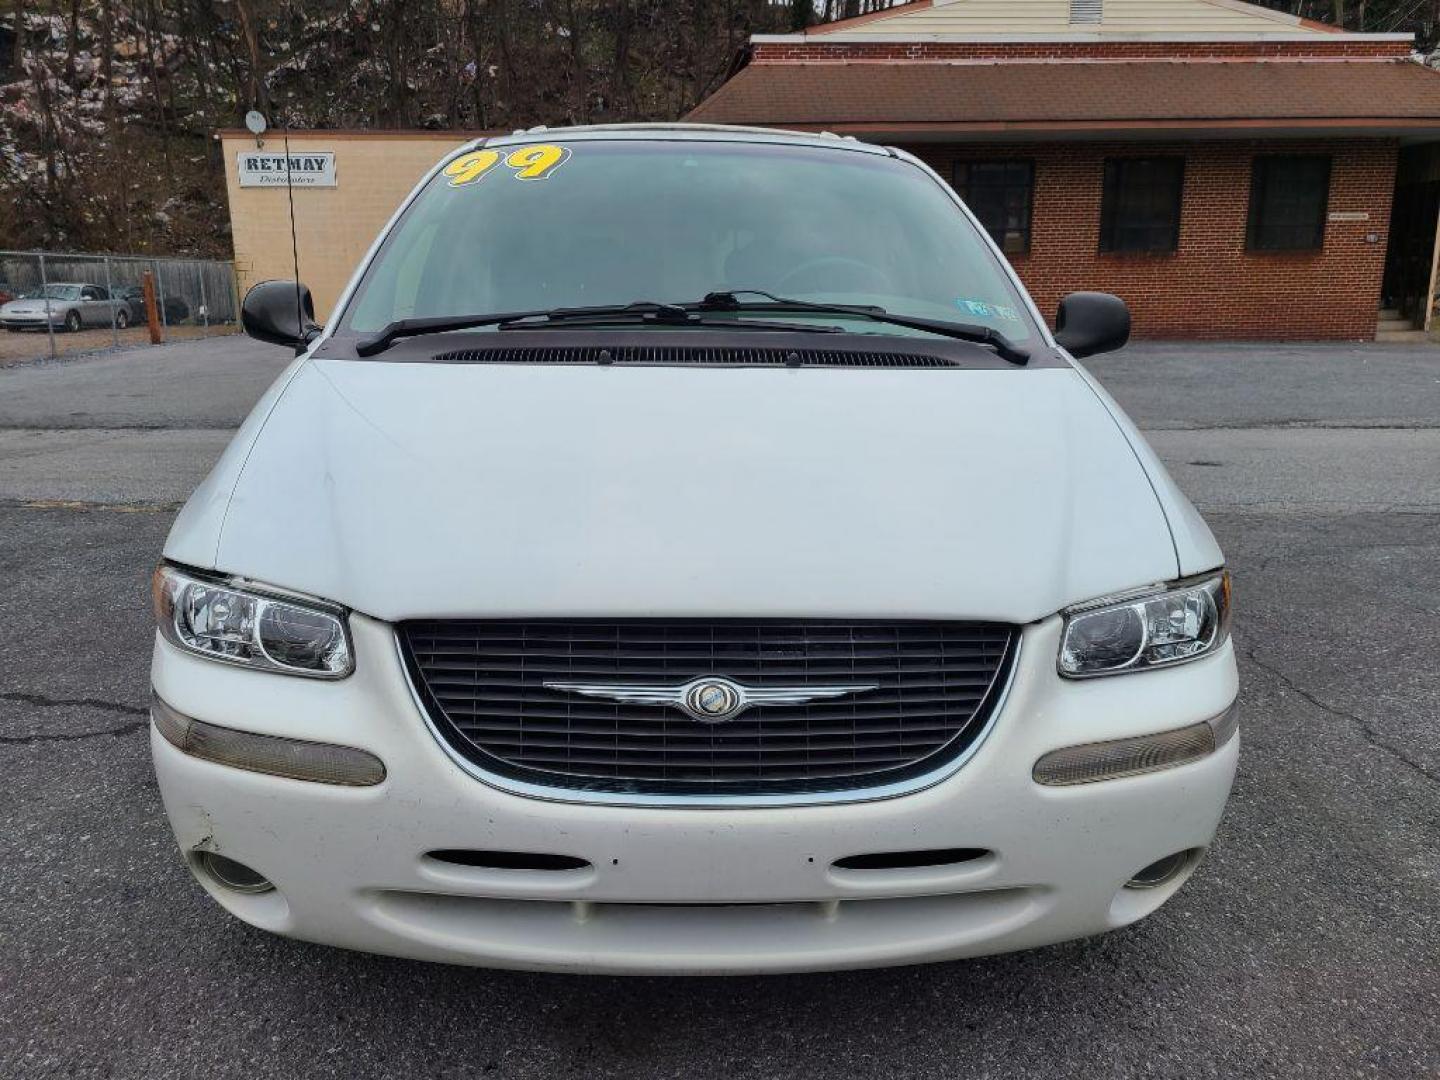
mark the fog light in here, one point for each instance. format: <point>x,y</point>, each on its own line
<point>233,875</point>
<point>1159,872</point>
<point>1091,762</point>
<point>295,759</point>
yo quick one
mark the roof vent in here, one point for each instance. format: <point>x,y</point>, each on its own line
<point>1087,11</point>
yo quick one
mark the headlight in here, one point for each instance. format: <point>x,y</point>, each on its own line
<point>235,625</point>
<point>1168,626</point>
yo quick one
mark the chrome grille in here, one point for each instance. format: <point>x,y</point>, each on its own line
<point>483,685</point>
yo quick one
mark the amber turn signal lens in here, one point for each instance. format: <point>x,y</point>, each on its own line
<point>295,759</point>
<point>1089,763</point>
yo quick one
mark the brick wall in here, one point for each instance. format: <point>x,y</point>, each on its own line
<point>1211,287</point>
<point>765,52</point>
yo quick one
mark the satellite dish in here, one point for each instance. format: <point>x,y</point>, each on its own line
<point>255,121</point>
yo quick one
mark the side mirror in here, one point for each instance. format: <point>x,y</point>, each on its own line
<point>280,312</point>
<point>1092,322</point>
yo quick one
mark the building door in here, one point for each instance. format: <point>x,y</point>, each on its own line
<point>1410,255</point>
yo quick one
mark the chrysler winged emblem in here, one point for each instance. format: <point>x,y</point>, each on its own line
<point>710,699</point>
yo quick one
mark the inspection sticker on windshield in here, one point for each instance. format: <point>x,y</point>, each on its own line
<point>528,162</point>
<point>988,311</point>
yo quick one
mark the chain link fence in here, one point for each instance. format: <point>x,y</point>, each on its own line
<point>55,302</point>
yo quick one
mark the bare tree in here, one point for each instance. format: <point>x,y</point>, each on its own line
<point>168,72</point>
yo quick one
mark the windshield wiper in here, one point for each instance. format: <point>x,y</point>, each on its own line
<point>667,315</point>
<point>646,312</point>
<point>982,335</point>
<point>387,335</point>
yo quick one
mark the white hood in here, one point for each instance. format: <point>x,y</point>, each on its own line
<point>409,490</point>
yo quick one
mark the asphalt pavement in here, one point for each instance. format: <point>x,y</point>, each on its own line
<point>1307,945</point>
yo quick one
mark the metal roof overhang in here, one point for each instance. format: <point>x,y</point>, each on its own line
<point>1408,131</point>
<point>924,100</point>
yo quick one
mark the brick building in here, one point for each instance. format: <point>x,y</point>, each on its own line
<point>1231,171</point>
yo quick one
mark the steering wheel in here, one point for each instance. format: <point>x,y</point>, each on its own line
<point>867,273</point>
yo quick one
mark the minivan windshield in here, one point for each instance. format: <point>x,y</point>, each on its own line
<point>612,222</point>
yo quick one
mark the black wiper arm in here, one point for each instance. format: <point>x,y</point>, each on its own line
<point>390,333</point>
<point>594,320</point>
<point>646,311</point>
<point>982,335</point>
<point>383,338</point>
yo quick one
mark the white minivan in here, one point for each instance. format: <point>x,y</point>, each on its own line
<point>687,550</point>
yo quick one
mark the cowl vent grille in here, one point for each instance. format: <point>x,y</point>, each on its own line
<point>710,356</point>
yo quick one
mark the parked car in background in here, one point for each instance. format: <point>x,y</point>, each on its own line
<point>134,298</point>
<point>65,307</point>
<point>10,292</point>
<point>173,309</point>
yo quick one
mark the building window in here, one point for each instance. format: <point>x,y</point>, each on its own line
<point>1141,207</point>
<point>999,193</point>
<point>1289,195</point>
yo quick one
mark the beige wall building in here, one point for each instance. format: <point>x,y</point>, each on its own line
<point>346,186</point>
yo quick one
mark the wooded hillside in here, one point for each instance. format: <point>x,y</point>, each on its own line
<point>106,106</point>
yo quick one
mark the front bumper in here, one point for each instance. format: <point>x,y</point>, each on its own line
<point>30,322</point>
<point>685,890</point>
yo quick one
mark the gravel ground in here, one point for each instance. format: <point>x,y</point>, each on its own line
<point>1308,944</point>
<point>29,345</point>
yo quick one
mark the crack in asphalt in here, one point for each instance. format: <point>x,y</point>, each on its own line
<point>45,702</point>
<point>27,740</point>
<point>1278,424</point>
<point>1367,732</point>
<point>1347,424</point>
<point>79,423</point>
<point>100,438</point>
<point>89,505</point>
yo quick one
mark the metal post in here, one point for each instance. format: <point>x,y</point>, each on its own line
<point>160,288</point>
<point>45,293</point>
<point>235,296</point>
<point>152,309</point>
<point>204,307</point>
<point>110,295</point>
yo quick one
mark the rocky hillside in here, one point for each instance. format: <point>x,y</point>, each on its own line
<point>107,106</point>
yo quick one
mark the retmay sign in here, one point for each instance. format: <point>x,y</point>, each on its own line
<point>307,169</point>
